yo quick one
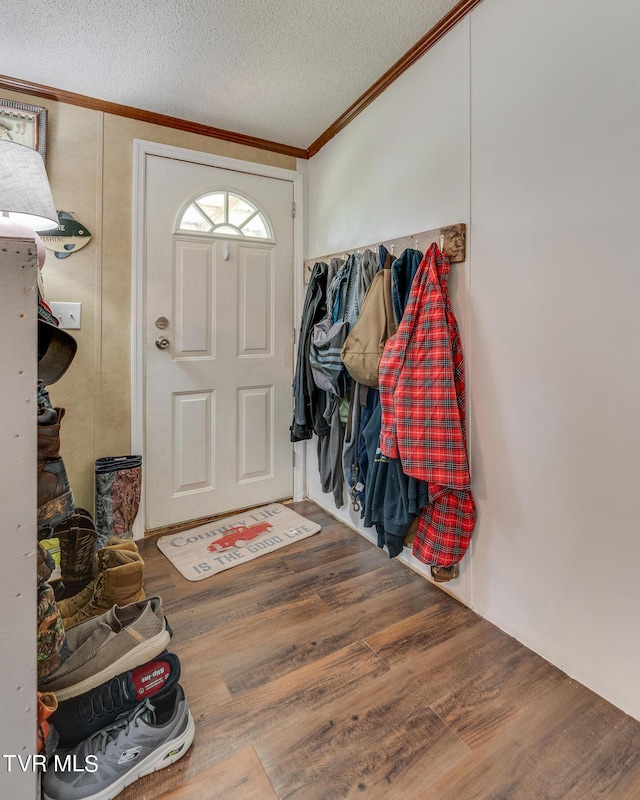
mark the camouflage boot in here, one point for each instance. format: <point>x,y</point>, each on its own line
<point>120,582</point>
<point>45,564</point>
<point>70,606</point>
<point>55,500</point>
<point>52,647</point>
<point>118,483</point>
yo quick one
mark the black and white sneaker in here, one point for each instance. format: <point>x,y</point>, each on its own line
<point>155,734</point>
<point>80,717</point>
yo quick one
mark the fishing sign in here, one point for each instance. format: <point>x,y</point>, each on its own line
<point>69,237</point>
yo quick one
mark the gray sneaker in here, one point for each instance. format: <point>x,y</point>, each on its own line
<point>152,736</point>
<point>123,638</point>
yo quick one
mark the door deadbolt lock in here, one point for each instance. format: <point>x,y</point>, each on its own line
<point>162,323</point>
<point>162,343</point>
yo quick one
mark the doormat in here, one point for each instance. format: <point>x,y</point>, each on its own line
<point>201,552</point>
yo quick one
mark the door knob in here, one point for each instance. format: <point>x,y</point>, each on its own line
<point>162,343</point>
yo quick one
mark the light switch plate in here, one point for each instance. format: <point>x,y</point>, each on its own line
<point>67,314</point>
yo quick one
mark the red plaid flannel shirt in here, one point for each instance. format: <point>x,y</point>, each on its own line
<point>423,412</point>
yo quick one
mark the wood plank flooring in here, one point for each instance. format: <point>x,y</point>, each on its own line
<point>326,670</point>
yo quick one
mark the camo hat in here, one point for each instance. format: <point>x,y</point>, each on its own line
<point>56,347</point>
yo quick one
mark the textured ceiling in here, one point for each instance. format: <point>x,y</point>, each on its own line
<point>282,70</point>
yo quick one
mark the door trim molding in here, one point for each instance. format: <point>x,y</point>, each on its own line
<point>142,149</point>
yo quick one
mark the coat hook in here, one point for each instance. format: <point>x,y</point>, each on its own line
<point>391,248</point>
<point>442,242</point>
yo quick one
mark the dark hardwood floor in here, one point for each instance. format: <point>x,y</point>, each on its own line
<point>326,670</point>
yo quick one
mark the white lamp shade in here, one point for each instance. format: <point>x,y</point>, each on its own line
<point>25,194</point>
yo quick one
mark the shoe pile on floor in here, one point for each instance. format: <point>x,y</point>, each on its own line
<point>110,707</point>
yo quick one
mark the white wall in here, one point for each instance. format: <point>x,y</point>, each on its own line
<point>523,123</point>
<point>18,581</point>
<point>400,168</point>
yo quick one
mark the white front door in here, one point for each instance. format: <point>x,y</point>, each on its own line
<point>218,398</point>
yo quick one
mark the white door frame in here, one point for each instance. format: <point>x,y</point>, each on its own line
<point>141,149</point>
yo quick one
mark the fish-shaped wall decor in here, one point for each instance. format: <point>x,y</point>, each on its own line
<point>69,237</point>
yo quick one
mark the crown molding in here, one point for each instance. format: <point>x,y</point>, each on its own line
<point>62,96</point>
<point>436,33</point>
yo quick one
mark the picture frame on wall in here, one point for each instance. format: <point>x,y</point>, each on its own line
<point>25,124</point>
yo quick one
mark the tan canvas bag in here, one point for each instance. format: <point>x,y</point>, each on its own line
<point>363,346</point>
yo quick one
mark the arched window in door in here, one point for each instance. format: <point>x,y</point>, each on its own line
<point>225,213</point>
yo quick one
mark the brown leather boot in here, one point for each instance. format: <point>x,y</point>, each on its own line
<point>120,582</point>
<point>77,536</point>
<point>70,606</point>
<point>55,500</point>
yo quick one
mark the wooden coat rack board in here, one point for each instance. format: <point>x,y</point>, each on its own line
<point>451,239</point>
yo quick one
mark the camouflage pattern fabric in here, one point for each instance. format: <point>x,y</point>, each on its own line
<point>52,647</point>
<point>46,564</point>
<point>118,483</point>
<point>44,400</point>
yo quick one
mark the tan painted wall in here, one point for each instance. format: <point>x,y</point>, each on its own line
<point>89,162</point>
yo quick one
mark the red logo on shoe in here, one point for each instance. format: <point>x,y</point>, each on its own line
<point>150,678</point>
